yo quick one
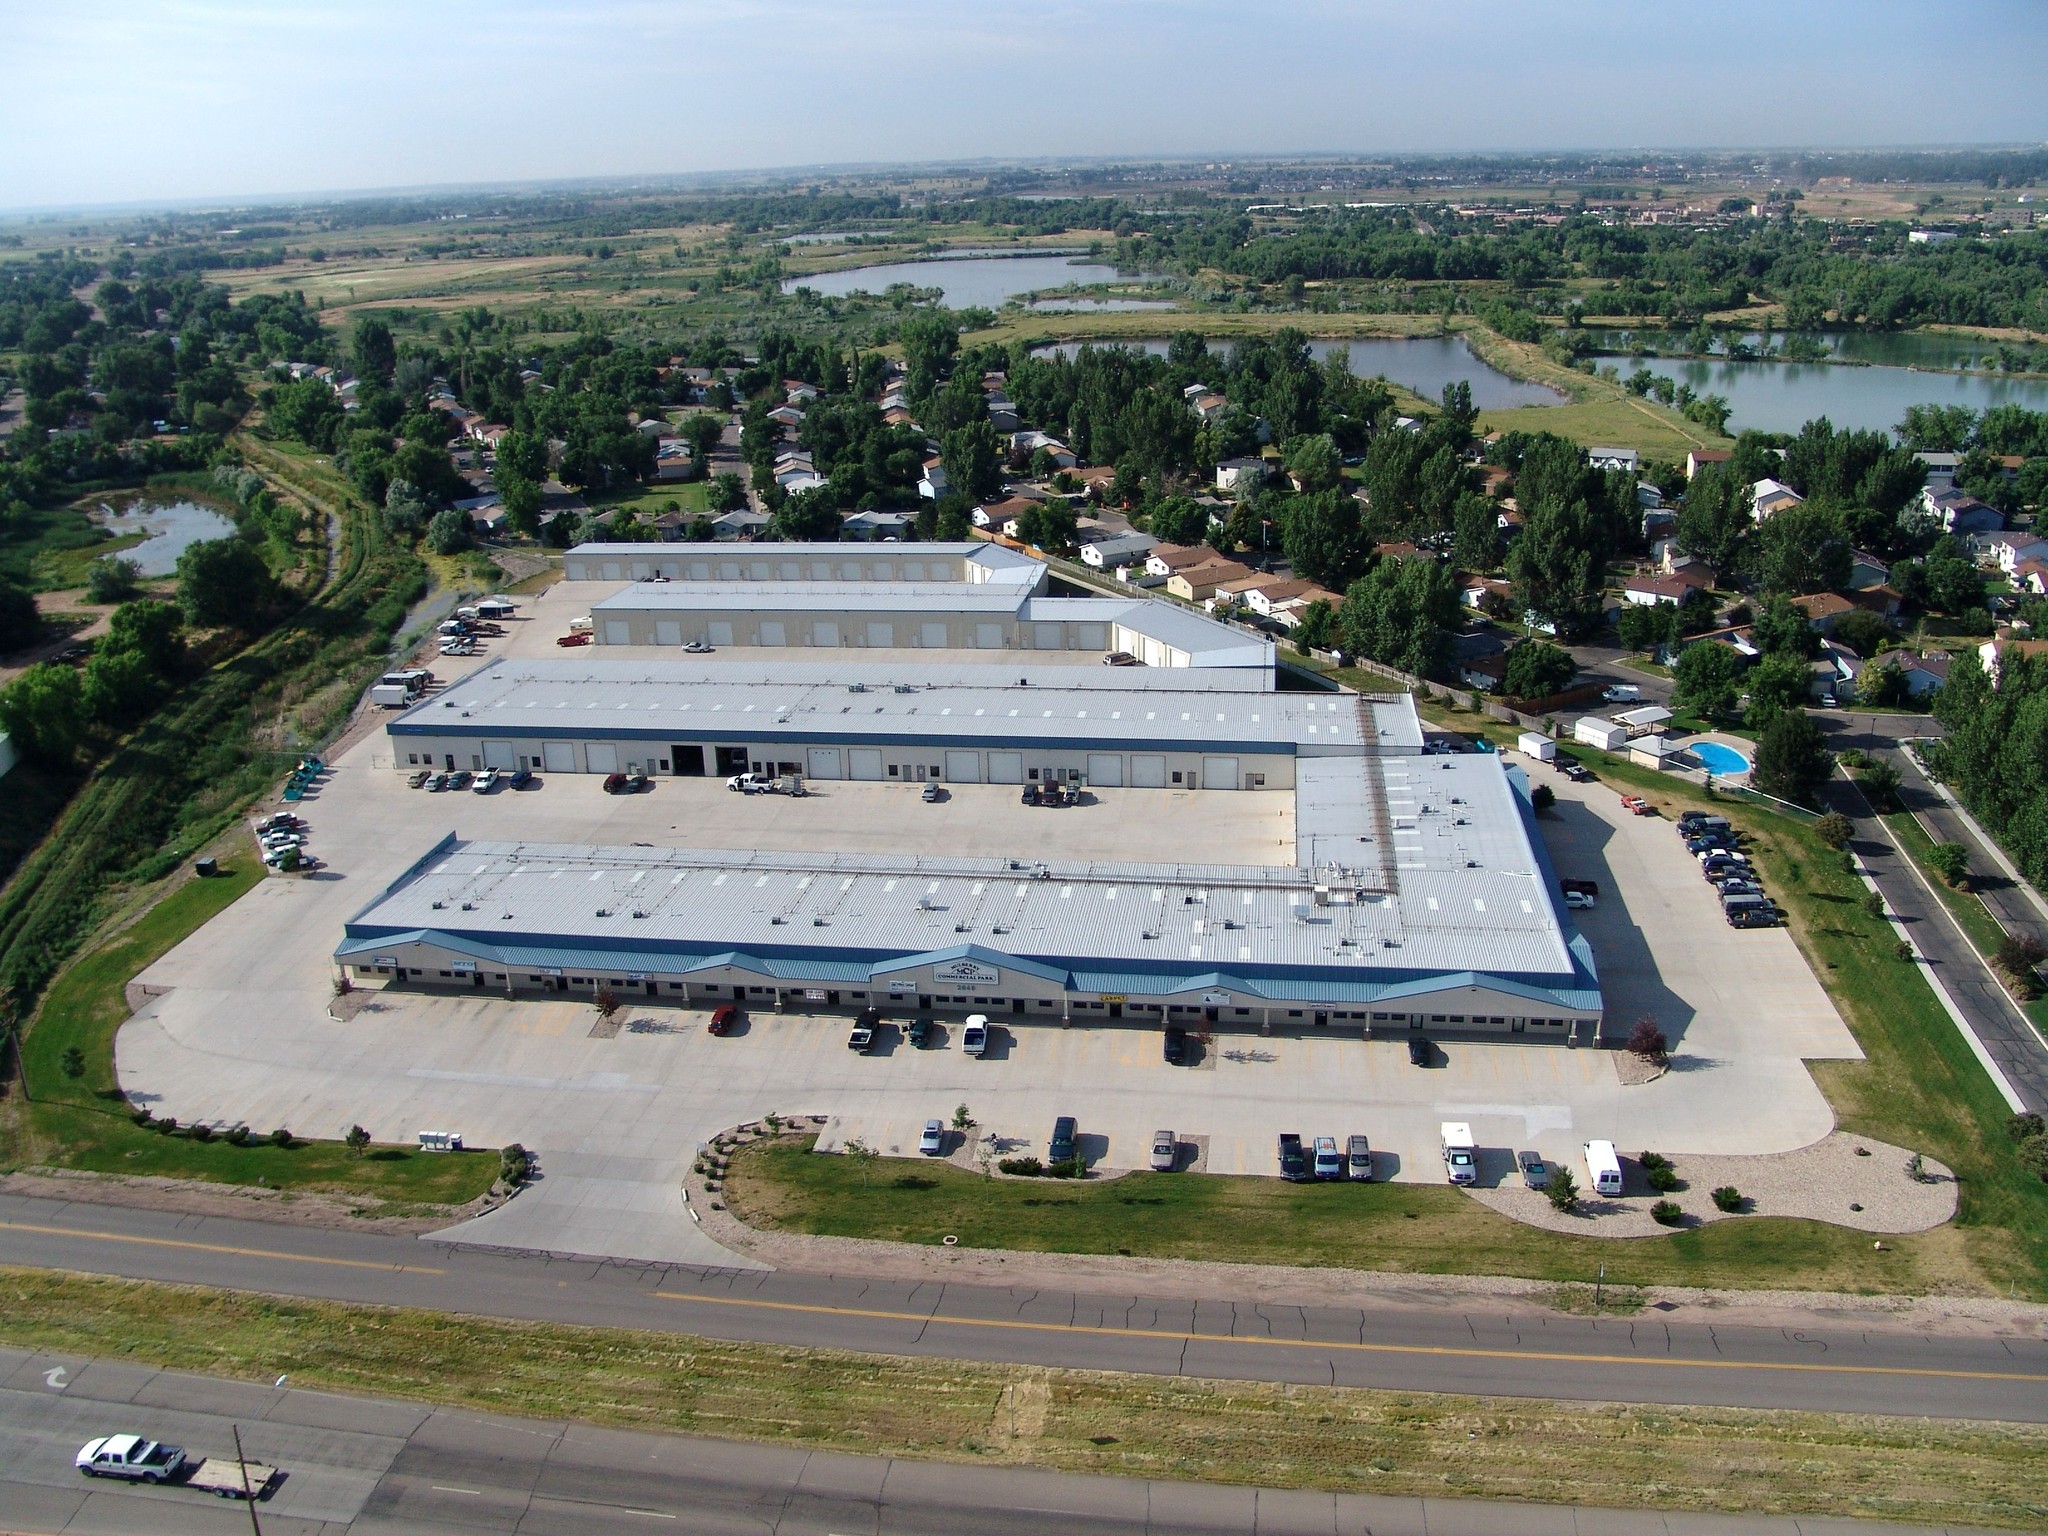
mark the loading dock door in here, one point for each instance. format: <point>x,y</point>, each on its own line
<point>688,758</point>
<point>668,632</point>
<point>881,635</point>
<point>824,632</point>
<point>1148,773</point>
<point>963,767</point>
<point>1219,773</point>
<point>617,632</point>
<point>500,754</point>
<point>602,757</point>
<point>932,635</point>
<point>612,571</point>
<point>1105,769</point>
<point>988,637</point>
<point>1006,767</point>
<point>864,762</point>
<point>824,763</point>
<point>773,632</point>
<point>558,756</point>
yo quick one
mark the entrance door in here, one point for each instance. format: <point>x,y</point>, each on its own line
<point>558,756</point>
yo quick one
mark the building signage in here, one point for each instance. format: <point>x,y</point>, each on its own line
<point>814,994</point>
<point>1113,997</point>
<point>636,975</point>
<point>551,970</point>
<point>462,967</point>
<point>385,960</point>
<point>1215,999</point>
<point>902,984</point>
<point>965,973</point>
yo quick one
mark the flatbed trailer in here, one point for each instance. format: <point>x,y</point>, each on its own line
<point>223,1477</point>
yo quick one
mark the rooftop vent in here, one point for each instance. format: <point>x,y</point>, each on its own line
<point>906,688</point>
<point>1151,934</point>
<point>439,905</point>
<point>817,922</point>
<point>777,922</point>
<point>469,906</point>
<point>604,911</point>
<point>857,688</point>
<point>638,913</point>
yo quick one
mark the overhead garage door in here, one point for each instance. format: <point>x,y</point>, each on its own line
<point>963,767</point>
<point>1093,637</point>
<point>617,632</point>
<point>718,632</point>
<point>824,632</point>
<point>773,633</point>
<point>988,637</point>
<point>864,762</point>
<point>1006,767</point>
<point>558,756</point>
<point>1105,768</point>
<point>500,754</point>
<point>1148,773</point>
<point>881,634</point>
<point>1219,773</point>
<point>1048,637</point>
<point>601,757</point>
<point>932,635</point>
<point>668,632</point>
<point>824,762</point>
<point>612,571</point>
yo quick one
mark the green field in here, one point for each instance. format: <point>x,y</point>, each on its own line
<point>1411,1444</point>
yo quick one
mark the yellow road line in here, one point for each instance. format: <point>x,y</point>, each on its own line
<point>245,1253</point>
<point>1469,1353</point>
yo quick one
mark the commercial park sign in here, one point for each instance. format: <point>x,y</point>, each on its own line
<point>965,973</point>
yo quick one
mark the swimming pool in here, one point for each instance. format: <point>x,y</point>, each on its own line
<point>1719,759</point>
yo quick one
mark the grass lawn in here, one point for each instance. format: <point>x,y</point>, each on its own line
<point>1620,421</point>
<point>1347,1439</point>
<point>691,496</point>
<point>48,549</point>
<point>84,1123</point>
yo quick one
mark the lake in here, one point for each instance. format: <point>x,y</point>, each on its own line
<point>969,280</point>
<point>1894,349</point>
<point>1781,397</point>
<point>173,527</point>
<point>1424,364</point>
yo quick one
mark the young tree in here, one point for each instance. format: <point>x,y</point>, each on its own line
<point>1951,861</point>
<point>1864,632</point>
<point>223,583</point>
<point>1178,520</point>
<point>72,1063</point>
<point>448,533</point>
<point>1049,525</point>
<point>20,623</point>
<point>1647,627</point>
<point>1783,630</point>
<point>521,499</point>
<point>1647,1040</point>
<point>728,492</point>
<point>1316,627</point>
<point>1792,759</point>
<point>702,432</point>
<point>1315,463</point>
<point>1562,1190</point>
<point>1536,669</point>
<point>1834,829</point>
<point>112,579</point>
<point>357,1141</point>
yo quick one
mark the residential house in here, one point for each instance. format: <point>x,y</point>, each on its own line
<point>1168,558</point>
<point>1648,497</point>
<point>1096,479</point>
<point>1194,392</point>
<point>934,483</point>
<point>1770,497</point>
<point>1648,591</point>
<point>672,460</point>
<point>1834,672</point>
<point>877,525</point>
<point>1401,549</point>
<point>788,416</point>
<point>797,393</point>
<point>1030,443</point>
<point>1210,407</point>
<point>1195,583</point>
<point>744,523</point>
<point>1700,456</point>
<point>1992,653</point>
<point>1002,415</point>
<point>1941,471</point>
<point>1885,602</point>
<point>1823,608</point>
<point>653,426</point>
<point>897,416</point>
<point>1959,513</point>
<point>1494,481</point>
<point>671,526</point>
<point>1867,571</point>
<point>1921,674</point>
<point>1627,460</point>
<point>2031,576</point>
<point>2009,549</point>
<point>1484,672</point>
<point>1288,613</point>
<point>1266,598</point>
<point>1480,588</point>
<point>1233,473</point>
<point>1107,553</point>
<point>1002,514</point>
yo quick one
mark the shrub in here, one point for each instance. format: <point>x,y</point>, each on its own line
<point>1951,861</point>
<point>1834,829</point>
<point>1067,1168</point>
<point>2019,954</point>
<point>1543,797</point>
<point>201,1131</point>
<point>1663,1178</point>
<point>1022,1167</point>
<point>515,1165</point>
<point>1651,1160</point>
<point>1647,1041</point>
<point>2034,1156</point>
<point>1666,1213</point>
<point>1563,1190</point>
<point>236,1136</point>
<point>1873,903</point>
<point>1727,1198</point>
<point>168,1126</point>
<point>281,1137</point>
<point>2020,1127</point>
<point>145,1119</point>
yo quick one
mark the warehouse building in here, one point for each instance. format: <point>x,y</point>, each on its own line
<point>970,564</point>
<point>1420,897</point>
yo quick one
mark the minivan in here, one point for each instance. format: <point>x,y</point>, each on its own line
<point>1329,1163</point>
<point>1358,1158</point>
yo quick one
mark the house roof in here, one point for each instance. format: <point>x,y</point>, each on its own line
<point>1823,605</point>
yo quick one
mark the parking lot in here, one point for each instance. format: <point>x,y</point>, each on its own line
<point>242,1029</point>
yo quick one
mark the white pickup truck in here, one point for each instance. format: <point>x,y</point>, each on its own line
<point>151,1461</point>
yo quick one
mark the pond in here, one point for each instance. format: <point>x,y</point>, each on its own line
<point>172,528</point>
<point>1893,349</point>
<point>967,280</point>
<point>1424,364</point>
<point>1782,397</point>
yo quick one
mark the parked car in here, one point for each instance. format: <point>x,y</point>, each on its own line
<point>1165,1152</point>
<point>1358,1158</point>
<point>1621,693</point>
<point>416,778</point>
<point>860,1038</point>
<point>1418,1051</point>
<point>1061,1148</point>
<point>1175,1046</point>
<point>459,779</point>
<point>723,1017</point>
<point>932,793</point>
<point>636,782</point>
<point>523,777</point>
<point>486,782</point>
<point>436,782</point>
<point>1579,901</point>
<point>1535,1173</point>
<point>615,783</point>
<point>933,1142</point>
<point>974,1038</point>
<point>581,637</point>
<point>1121,659</point>
<point>1329,1162</point>
<point>1030,795</point>
<point>1293,1161</point>
<point>750,783</point>
<point>920,1032</point>
<point>697,648</point>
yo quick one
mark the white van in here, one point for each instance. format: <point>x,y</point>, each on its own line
<point>1603,1168</point>
<point>974,1038</point>
<point>1461,1154</point>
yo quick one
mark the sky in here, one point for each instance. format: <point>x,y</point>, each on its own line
<point>174,100</point>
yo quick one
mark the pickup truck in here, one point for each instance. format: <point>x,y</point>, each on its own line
<point>151,1461</point>
<point>1293,1161</point>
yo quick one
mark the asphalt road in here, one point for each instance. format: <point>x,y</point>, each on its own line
<point>1643,1359</point>
<point>357,1467</point>
<point>2008,1037</point>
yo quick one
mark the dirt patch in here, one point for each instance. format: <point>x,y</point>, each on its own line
<point>1633,1070</point>
<point>189,1197</point>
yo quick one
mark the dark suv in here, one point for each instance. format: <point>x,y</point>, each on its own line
<point>1176,1047</point>
<point>1061,1148</point>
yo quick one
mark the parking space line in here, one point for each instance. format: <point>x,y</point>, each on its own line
<point>1441,1350</point>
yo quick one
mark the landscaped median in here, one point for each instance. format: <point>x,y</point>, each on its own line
<point>1352,1440</point>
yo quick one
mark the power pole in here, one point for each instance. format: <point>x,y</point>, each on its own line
<point>248,1493</point>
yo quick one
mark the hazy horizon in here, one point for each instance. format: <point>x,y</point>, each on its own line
<point>227,101</point>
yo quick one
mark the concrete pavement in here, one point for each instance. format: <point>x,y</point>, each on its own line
<point>361,1467</point>
<point>1856,1364</point>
